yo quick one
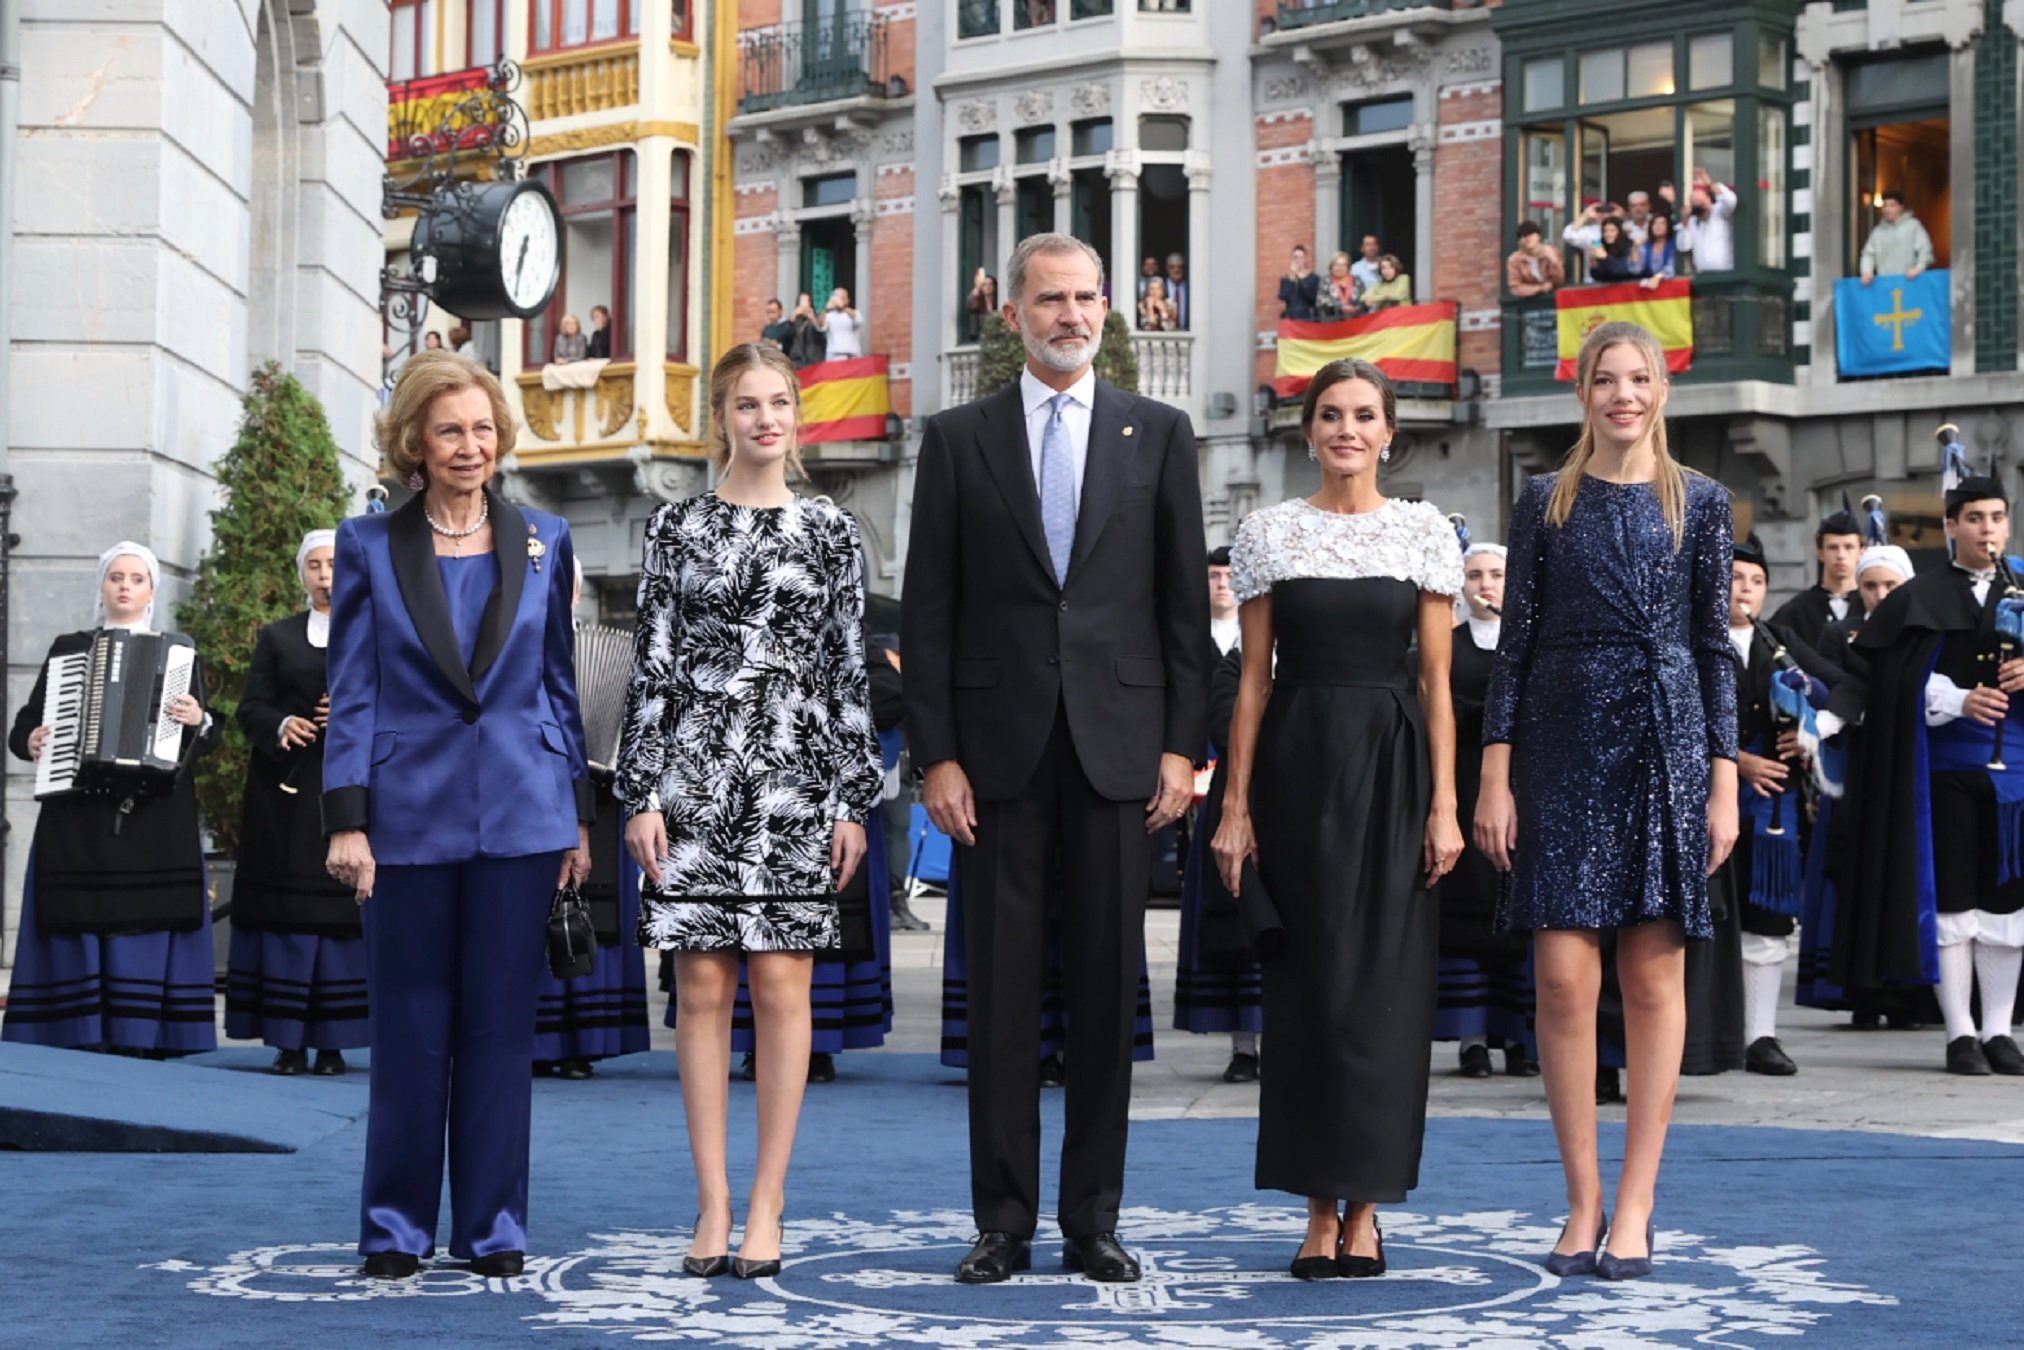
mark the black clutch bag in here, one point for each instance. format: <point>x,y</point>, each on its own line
<point>572,940</point>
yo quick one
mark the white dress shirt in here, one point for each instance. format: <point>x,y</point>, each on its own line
<point>1945,700</point>
<point>1486,632</point>
<point>1082,395</point>
<point>1226,632</point>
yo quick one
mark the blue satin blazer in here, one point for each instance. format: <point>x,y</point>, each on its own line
<point>436,762</point>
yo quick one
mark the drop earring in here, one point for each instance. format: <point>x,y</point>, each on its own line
<point>1384,453</point>
<point>414,481</point>
<point>1310,451</point>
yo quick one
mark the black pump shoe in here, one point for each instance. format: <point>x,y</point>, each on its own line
<point>498,1265</point>
<point>705,1267</point>
<point>1360,1267</point>
<point>1317,1267</point>
<point>761,1270</point>
<point>391,1265</point>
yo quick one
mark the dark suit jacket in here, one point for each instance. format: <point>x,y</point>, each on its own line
<point>436,762</point>
<point>993,646</point>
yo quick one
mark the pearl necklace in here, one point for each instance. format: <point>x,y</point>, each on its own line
<point>484,510</point>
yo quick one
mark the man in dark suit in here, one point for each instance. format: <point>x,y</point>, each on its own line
<point>1056,632</point>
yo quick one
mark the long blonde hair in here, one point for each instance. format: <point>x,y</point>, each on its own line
<point>733,366</point>
<point>1670,482</point>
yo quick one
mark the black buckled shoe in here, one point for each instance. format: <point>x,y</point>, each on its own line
<point>996,1257</point>
<point>1475,1061</point>
<point>1964,1056</point>
<point>1101,1257</point>
<point>391,1265</point>
<point>1766,1056</point>
<point>2003,1056</point>
<point>498,1265</point>
<point>1242,1068</point>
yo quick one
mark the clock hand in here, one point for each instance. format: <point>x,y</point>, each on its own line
<point>522,265</point>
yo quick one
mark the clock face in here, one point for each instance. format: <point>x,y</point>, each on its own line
<point>529,260</point>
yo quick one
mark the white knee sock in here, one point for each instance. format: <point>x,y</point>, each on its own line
<point>1997,968</point>
<point>1957,982</point>
<point>1760,1001</point>
<point>1244,1043</point>
<point>1469,1041</point>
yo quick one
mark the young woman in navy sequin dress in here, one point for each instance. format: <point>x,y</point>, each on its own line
<point>1609,768</point>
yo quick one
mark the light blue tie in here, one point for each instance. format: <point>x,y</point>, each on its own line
<point>1057,488</point>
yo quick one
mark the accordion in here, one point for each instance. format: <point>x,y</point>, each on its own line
<point>604,659</point>
<point>107,710</point>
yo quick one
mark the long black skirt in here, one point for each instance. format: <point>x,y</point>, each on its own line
<point>1339,801</point>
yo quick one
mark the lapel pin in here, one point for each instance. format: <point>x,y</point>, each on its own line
<point>536,550</point>
<point>1127,431</point>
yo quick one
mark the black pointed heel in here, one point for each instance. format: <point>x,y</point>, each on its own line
<point>1565,1264</point>
<point>761,1270</point>
<point>1630,1267</point>
<point>705,1267</point>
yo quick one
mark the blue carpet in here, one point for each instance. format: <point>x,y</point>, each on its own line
<point>1844,1240</point>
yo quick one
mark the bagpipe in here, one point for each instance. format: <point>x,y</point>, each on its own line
<point>1792,695</point>
<point>2008,636</point>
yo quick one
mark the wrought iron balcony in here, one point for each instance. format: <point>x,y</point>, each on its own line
<point>1308,13</point>
<point>437,114</point>
<point>796,64</point>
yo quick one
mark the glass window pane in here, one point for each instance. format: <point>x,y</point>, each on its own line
<point>678,285</point>
<point>1032,13</point>
<point>604,19</point>
<point>1711,61</point>
<point>484,32</point>
<point>586,181</point>
<point>1092,137</point>
<point>575,22</point>
<point>544,25</point>
<point>976,18</point>
<point>1711,141</point>
<point>1163,133</point>
<point>1088,9</point>
<point>590,256</point>
<point>1035,145</point>
<point>1542,187</point>
<point>1771,68</point>
<point>833,190</point>
<point>978,153</point>
<point>1908,80</point>
<point>1368,119</point>
<point>428,54</point>
<point>1545,84</point>
<point>1602,76</point>
<point>679,185</point>
<point>401,56</point>
<point>1651,70</point>
<point>1771,191</point>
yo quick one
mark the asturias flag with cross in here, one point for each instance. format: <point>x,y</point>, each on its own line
<point>1896,325</point>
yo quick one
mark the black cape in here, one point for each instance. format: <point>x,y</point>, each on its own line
<point>1808,615</point>
<point>1468,894</point>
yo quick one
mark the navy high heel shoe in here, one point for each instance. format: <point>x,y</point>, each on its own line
<point>1629,1268</point>
<point>1578,1263</point>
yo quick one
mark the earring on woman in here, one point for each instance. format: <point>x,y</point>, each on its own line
<point>1310,451</point>
<point>1384,453</point>
<point>414,482</point>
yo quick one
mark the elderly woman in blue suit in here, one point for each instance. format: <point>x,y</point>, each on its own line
<point>455,796</point>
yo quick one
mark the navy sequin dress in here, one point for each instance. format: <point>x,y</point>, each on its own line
<point>1615,685</point>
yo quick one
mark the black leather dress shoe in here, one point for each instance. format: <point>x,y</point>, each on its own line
<point>2003,1055</point>
<point>1765,1055</point>
<point>1517,1066</point>
<point>1053,1071</point>
<point>821,1068</point>
<point>1608,1086</point>
<point>997,1256</point>
<point>391,1265</point>
<point>1242,1068</point>
<point>574,1069</point>
<point>329,1064</point>
<point>288,1063</point>
<point>1475,1061</point>
<point>1964,1056</point>
<point>499,1265</point>
<point>1101,1257</point>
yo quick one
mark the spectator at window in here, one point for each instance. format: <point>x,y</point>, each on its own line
<point>1583,231</point>
<point>1148,269</point>
<point>1709,231</point>
<point>600,333</point>
<point>1177,288</point>
<point>461,344</point>
<point>432,340</point>
<point>777,332</point>
<point>1533,268</point>
<point>1637,222</point>
<point>1157,314</point>
<point>983,302</point>
<point>1299,288</point>
<point>808,345</point>
<point>1614,257</point>
<point>1657,255</point>
<point>570,343</point>
<point>842,327</point>
<point>1899,243</point>
<point>1393,287</point>
<point>1365,268</point>
<point>1340,296</point>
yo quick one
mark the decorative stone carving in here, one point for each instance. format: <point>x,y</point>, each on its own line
<point>672,480</point>
<point>979,114</point>
<point>897,143</point>
<point>1285,88</point>
<point>681,393</point>
<point>1371,69</point>
<point>1034,105</point>
<point>540,408</point>
<point>1469,61</point>
<point>1090,98</point>
<point>1163,93</point>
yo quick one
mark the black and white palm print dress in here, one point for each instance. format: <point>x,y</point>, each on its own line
<point>748,721</point>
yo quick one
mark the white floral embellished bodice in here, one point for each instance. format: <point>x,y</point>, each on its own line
<point>1409,541</point>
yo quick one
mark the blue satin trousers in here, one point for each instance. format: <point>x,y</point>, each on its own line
<point>453,955</point>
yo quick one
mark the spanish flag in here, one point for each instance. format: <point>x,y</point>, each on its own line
<point>1413,343</point>
<point>844,400</point>
<point>1666,312</point>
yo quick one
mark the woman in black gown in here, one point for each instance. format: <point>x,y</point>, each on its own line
<point>1347,775</point>
<point>297,976</point>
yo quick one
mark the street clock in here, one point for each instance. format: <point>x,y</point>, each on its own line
<point>496,248</point>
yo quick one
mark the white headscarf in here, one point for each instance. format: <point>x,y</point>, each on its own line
<point>1473,549</point>
<point>127,548</point>
<point>1485,630</point>
<point>1885,555</point>
<point>319,622</point>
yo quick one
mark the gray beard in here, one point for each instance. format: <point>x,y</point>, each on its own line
<point>1055,358</point>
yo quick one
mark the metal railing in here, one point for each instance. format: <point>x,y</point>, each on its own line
<point>1742,330</point>
<point>840,57</point>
